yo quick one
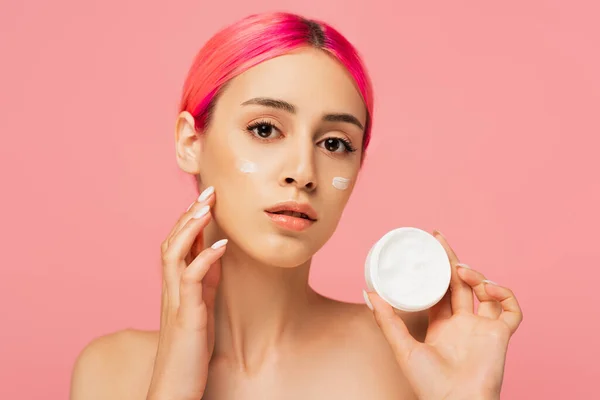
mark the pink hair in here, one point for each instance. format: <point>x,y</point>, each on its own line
<point>258,38</point>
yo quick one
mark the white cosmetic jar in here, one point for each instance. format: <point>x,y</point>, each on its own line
<point>408,268</point>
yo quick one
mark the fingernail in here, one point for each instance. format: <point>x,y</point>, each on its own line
<point>439,233</point>
<point>463,266</point>
<point>201,212</point>
<point>367,301</point>
<point>488,281</point>
<point>218,244</point>
<point>206,193</point>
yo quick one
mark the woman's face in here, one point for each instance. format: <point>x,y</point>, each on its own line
<point>285,136</point>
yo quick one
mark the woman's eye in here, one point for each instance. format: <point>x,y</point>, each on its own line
<point>337,145</point>
<point>264,130</point>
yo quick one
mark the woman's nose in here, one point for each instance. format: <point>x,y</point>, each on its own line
<point>300,168</point>
<point>306,184</point>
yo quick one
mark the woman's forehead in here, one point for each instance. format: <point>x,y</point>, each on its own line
<point>307,78</point>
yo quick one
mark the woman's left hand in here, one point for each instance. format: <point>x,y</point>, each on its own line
<point>463,354</point>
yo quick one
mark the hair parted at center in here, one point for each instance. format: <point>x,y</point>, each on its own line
<point>257,38</point>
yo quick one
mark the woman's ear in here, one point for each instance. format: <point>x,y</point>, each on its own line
<point>187,143</point>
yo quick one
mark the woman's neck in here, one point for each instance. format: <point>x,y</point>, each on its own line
<point>258,308</point>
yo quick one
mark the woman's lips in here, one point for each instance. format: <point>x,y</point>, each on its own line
<point>290,222</point>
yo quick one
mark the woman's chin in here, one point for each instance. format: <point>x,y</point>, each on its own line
<point>272,248</point>
<point>289,258</point>
<point>280,252</point>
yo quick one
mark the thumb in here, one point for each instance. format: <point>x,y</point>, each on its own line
<point>393,327</point>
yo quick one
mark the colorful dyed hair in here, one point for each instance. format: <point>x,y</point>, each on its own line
<point>258,38</point>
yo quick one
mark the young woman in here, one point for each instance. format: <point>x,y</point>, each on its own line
<point>274,124</point>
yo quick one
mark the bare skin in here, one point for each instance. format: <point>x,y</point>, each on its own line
<point>274,337</point>
<point>350,359</point>
<point>238,320</point>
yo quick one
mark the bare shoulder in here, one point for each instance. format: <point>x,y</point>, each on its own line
<point>368,354</point>
<point>117,365</point>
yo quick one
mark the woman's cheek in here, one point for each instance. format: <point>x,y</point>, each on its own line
<point>341,183</point>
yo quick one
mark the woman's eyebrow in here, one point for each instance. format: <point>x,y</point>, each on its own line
<point>290,108</point>
<point>273,103</point>
<point>349,118</point>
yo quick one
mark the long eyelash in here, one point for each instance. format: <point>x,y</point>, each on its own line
<point>347,145</point>
<point>256,124</point>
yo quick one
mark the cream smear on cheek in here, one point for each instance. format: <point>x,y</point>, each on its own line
<point>247,167</point>
<point>340,183</point>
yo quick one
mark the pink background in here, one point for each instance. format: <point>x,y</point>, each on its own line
<point>486,128</point>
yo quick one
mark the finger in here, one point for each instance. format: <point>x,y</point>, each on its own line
<point>461,298</point>
<point>206,198</point>
<point>210,283</point>
<point>174,256</point>
<point>441,311</point>
<point>198,269</point>
<point>193,311</point>
<point>393,328</point>
<point>512,314</point>
<point>488,306</point>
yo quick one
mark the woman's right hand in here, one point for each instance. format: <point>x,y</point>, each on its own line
<point>187,326</point>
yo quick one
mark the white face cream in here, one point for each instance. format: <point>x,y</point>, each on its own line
<point>247,167</point>
<point>340,183</point>
<point>409,269</point>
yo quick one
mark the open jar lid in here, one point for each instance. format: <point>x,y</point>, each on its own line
<point>408,268</point>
